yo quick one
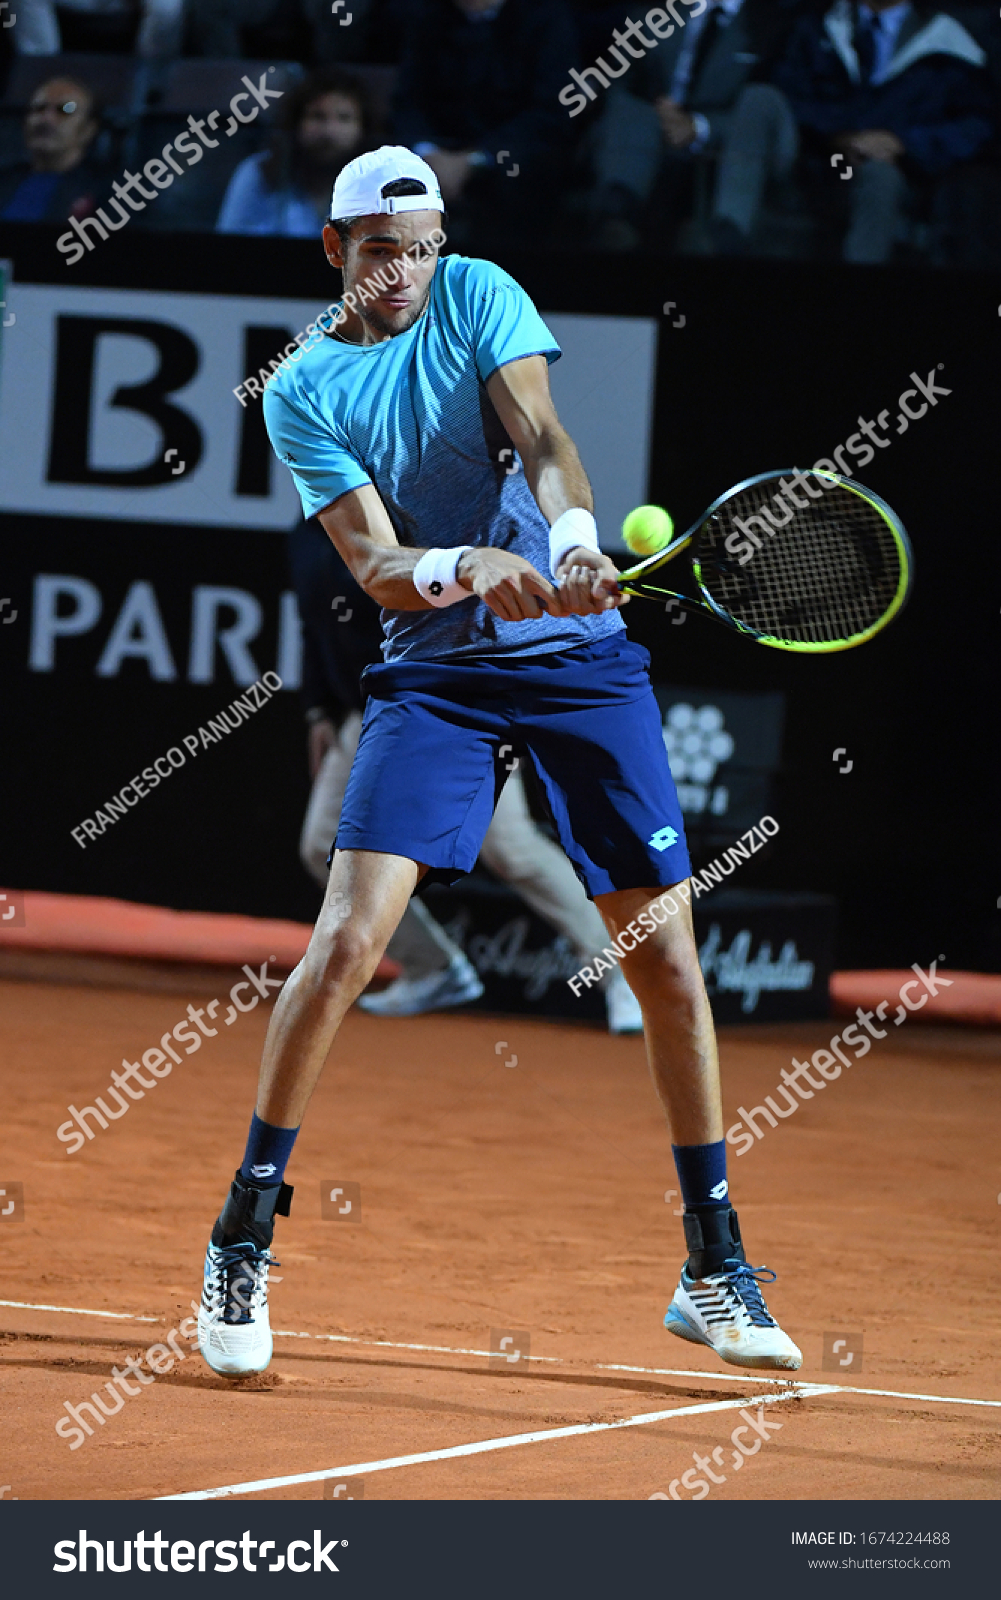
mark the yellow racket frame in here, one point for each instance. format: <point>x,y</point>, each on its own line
<point>709,605</point>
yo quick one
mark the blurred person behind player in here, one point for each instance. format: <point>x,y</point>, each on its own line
<point>325,121</point>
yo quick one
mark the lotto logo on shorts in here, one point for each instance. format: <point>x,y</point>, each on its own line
<point>842,1352</point>
<point>11,1201</point>
<point>340,1201</point>
<point>664,838</point>
<point>347,1489</point>
<point>509,1347</point>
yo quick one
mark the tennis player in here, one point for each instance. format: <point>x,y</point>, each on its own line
<point>502,626</point>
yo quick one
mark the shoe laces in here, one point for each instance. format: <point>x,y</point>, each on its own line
<point>232,1265</point>
<point>743,1279</point>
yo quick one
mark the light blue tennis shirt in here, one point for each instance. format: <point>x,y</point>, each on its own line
<point>412,416</point>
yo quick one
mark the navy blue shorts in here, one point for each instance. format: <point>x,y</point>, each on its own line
<point>439,739</point>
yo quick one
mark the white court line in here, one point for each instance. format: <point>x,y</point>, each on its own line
<point>843,1388</point>
<point>653,1372</point>
<point>901,1394</point>
<point>77,1311</point>
<point>482,1446</point>
<point>391,1344</point>
<point>600,1366</point>
<point>454,1350</point>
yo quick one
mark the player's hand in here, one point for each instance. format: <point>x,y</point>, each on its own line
<point>588,582</point>
<point>322,737</point>
<point>508,584</point>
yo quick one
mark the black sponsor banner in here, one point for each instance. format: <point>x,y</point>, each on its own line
<point>765,957</point>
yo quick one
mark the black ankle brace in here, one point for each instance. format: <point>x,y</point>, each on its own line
<point>712,1234</point>
<point>250,1211</point>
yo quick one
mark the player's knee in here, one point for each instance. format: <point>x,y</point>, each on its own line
<point>346,953</point>
<point>665,964</point>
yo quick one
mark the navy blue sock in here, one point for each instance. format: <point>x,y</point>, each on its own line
<point>268,1151</point>
<point>702,1174</point>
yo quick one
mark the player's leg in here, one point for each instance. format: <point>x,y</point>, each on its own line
<point>664,974</point>
<point>422,789</point>
<point>366,896</point>
<point>598,747</point>
<point>718,1301</point>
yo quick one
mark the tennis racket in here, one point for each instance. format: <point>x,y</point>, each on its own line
<point>817,565</point>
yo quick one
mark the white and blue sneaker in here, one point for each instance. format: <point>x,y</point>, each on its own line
<point>727,1312</point>
<point>455,985</point>
<point>234,1329</point>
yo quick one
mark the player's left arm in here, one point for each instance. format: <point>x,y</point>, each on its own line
<point>520,394</point>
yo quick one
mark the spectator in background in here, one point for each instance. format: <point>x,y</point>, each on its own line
<point>477,98</point>
<point>698,93</point>
<point>326,122</point>
<point>901,91</point>
<point>59,178</point>
<point>149,27</point>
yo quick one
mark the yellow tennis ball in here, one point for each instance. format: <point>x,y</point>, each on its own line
<point>647,530</point>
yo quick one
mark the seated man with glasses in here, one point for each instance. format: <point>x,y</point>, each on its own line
<point>59,177</point>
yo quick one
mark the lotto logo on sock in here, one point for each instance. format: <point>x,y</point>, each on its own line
<point>509,1347</point>
<point>842,1353</point>
<point>347,1489</point>
<point>11,1201</point>
<point>340,1201</point>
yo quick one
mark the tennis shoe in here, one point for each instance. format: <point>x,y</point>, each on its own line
<point>454,985</point>
<point>234,1328</point>
<point>727,1312</point>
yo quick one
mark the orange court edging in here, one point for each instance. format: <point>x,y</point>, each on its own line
<point>93,925</point>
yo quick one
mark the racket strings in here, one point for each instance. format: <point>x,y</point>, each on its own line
<point>828,573</point>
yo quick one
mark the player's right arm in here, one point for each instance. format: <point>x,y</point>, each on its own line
<point>334,486</point>
<point>359,526</point>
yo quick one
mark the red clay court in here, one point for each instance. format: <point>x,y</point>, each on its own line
<point>512,1178</point>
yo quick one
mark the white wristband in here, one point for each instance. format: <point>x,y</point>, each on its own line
<point>434,576</point>
<point>575,527</point>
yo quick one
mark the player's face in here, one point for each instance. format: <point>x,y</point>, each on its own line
<point>400,244</point>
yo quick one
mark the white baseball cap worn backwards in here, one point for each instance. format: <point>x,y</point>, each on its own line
<point>359,186</point>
